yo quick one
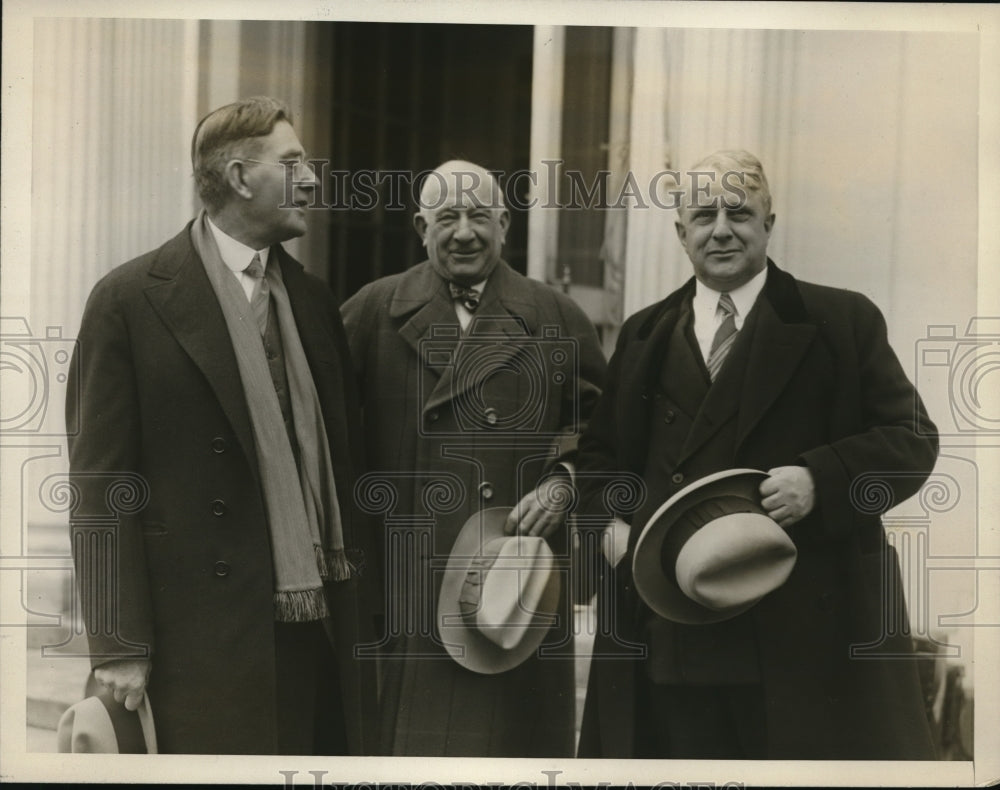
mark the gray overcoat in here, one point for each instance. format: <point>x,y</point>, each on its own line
<point>454,424</point>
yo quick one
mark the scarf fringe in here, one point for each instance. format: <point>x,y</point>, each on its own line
<point>297,606</point>
<point>333,564</point>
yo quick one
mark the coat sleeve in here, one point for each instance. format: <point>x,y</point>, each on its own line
<point>109,490</point>
<point>358,320</point>
<point>888,460</point>
<point>591,368</point>
<point>602,484</point>
<point>598,460</point>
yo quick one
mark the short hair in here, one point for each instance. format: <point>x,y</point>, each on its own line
<point>740,161</point>
<point>225,134</point>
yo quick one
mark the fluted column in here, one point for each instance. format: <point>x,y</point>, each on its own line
<point>114,108</point>
<point>694,91</point>
<point>648,227</point>
<point>546,133</point>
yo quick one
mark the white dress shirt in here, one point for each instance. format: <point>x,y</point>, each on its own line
<point>237,256</point>
<point>461,311</point>
<point>708,318</point>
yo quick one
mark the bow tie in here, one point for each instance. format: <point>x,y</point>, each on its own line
<point>469,297</point>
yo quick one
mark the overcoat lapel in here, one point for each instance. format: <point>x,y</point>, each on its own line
<point>724,396</point>
<point>320,348</point>
<point>641,371</point>
<point>422,300</point>
<point>505,318</point>
<point>316,339</point>
<point>431,328</point>
<point>776,350</point>
<point>427,323</point>
<point>687,381</point>
<point>189,308</point>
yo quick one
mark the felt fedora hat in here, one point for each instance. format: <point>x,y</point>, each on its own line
<point>99,725</point>
<point>711,552</point>
<point>499,595</point>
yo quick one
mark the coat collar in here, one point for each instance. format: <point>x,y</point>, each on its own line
<point>422,286</point>
<point>780,289</point>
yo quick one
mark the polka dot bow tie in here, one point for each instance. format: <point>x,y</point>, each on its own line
<point>469,297</point>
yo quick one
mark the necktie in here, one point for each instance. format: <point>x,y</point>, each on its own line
<point>260,299</point>
<point>467,296</point>
<point>725,335</point>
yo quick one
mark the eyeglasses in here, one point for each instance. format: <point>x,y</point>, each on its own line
<point>296,164</point>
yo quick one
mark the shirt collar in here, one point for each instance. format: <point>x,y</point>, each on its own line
<point>235,254</point>
<point>707,299</point>
<point>475,287</point>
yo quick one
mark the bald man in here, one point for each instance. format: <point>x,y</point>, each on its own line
<point>475,382</point>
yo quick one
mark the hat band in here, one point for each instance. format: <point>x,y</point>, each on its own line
<point>696,517</point>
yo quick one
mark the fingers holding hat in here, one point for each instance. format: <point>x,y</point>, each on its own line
<point>529,517</point>
<point>126,678</point>
<point>542,511</point>
<point>788,494</point>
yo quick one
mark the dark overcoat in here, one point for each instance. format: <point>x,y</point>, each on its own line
<point>163,415</point>
<point>820,386</point>
<point>455,424</point>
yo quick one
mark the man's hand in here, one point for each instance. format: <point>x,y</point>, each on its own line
<point>126,678</point>
<point>615,541</point>
<point>789,494</point>
<point>542,511</point>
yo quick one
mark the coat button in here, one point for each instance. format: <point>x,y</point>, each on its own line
<point>677,478</point>
<point>486,490</point>
<point>221,568</point>
<point>218,445</point>
<point>669,416</point>
<point>218,507</point>
<point>491,415</point>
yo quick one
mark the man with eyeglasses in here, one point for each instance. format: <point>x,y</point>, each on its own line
<point>213,378</point>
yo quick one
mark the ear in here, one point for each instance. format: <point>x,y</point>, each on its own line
<point>235,176</point>
<point>504,221</point>
<point>769,223</point>
<point>420,224</point>
<point>681,229</point>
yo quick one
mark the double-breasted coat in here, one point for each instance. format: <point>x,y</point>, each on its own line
<point>159,418</point>
<point>455,423</point>
<point>819,385</point>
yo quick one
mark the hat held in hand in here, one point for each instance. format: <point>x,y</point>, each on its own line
<point>499,595</point>
<point>710,552</point>
<point>99,725</point>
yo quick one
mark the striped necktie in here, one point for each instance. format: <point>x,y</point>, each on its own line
<point>260,299</point>
<point>725,336</point>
